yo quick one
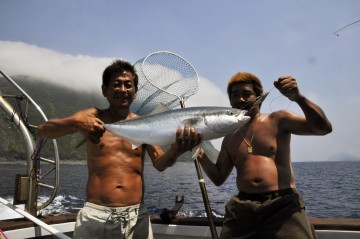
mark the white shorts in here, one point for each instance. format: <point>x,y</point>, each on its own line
<point>96,221</point>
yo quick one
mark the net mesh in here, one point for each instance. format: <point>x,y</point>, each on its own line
<point>166,78</point>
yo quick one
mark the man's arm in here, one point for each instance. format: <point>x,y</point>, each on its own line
<point>217,172</point>
<point>315,116</point>
<point>315,122</point>
<point>84,122</point>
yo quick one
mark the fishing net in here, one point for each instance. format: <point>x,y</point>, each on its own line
<point>164,78</point>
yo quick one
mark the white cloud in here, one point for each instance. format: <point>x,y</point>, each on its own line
<point>80,71</point>
<point>208,95</point>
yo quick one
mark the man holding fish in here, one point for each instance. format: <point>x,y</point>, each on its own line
<point>268,204</point>
<point>115,188</point>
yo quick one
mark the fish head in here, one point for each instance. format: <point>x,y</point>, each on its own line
<point>227,120</point>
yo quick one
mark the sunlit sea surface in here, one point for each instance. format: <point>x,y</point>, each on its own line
<point>330,189</point>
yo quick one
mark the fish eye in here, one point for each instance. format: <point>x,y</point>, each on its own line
<point>229,112</point>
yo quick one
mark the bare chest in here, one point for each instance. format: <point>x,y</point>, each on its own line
<point>113,150</point>
<point>259,141</point>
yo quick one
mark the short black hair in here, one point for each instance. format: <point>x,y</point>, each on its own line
<point>118,67</point>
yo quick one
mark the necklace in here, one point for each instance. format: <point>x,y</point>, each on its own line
<point>249,146</point>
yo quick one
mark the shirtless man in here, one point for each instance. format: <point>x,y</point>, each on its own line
<point>115,188</point>
<point>268,205</point>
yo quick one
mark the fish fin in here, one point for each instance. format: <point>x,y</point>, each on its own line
<point>211,152</point>
<point>196,150</point>
<point>191,121</point>
<point>135,145</point>
<point>159,109</point>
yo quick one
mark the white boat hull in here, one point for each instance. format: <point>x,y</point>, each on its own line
<point>188,228</point>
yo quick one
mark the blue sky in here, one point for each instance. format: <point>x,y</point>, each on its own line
<point>73,41</point>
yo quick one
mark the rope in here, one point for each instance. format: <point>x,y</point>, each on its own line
<point>18,110</point>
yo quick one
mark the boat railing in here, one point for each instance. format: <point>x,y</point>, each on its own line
<point>35,178</point>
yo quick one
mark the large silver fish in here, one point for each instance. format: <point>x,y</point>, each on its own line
<point>160,129</point>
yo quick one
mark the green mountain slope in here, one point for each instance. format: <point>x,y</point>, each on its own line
<point>56,102</point>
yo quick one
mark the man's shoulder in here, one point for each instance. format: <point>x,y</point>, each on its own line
<point>278,114</point>
<point>92,111</point>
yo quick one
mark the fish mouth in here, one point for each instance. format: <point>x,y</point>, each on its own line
<point>243,113</point>
<point>243,116</point>
<point>247,113</point>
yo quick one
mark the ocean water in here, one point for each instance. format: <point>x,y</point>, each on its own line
<point>330,189</point>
